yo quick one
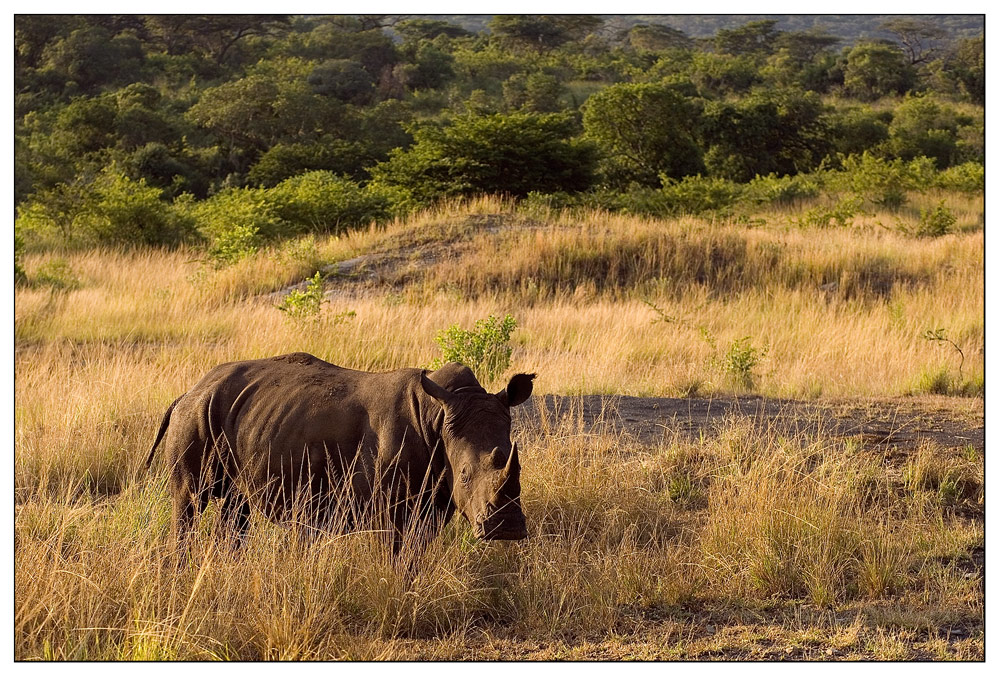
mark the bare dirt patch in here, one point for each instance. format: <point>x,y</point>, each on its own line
<point>900,423</point>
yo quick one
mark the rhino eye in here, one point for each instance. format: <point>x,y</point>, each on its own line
<point>466,476</point>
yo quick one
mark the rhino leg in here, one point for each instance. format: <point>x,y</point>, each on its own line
<point>236,514</point>
<point>184,499</point>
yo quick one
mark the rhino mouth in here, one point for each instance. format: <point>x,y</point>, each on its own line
<point>506,527</point>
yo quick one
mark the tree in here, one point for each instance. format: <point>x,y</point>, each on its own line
<point>921,125</point>
<point>217,34</point>
<point>342,79</point>
<point>32,32</point>
<point>779,132</point>
<point>84,126</point>
<point>431,67</point>
<point>92,57</point>
<point>644,130</point>
<point>536,92</point>
<point>918,37</point>
<point>657,37</point>
<point>755,38</point>
<point>721,74</point>
<point>373,49</point>
<point>415,30</point>
<point>542,32</point>
<point>804,60</point>
<point>273,103</point>
<point>804,46</point>
<point>968,63</point>
<point>876,69</point>
<point>494,154</point>
<point>857,129</point>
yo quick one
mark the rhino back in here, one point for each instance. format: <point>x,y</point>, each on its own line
<point>283,414</point>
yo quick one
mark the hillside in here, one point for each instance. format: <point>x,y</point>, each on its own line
<point>850,28</point>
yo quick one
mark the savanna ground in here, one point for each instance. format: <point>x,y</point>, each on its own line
<point>743,445</point>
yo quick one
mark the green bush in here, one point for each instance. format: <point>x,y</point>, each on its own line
<point>856,129</point>
<point>56,274</point>
<point>491,154</point>
<point>936,222</point>
<point>239,242</point>
<point>236,222</point>
<point>643,130</point>
<point>485,348</point>
<point>969,177</point>
<point>124,211</point>
<point>112,209</point>
<point>305,304</point>
<point>923,126</point>
<point>697,194</point>
<point>320,201</point>
<point>740,361</point>
<point>772,189</point>
<point>884,182</point>
<point>284,160</point>
<point>839,215</point>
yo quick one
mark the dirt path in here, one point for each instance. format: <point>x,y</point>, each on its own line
<point>900,422</point>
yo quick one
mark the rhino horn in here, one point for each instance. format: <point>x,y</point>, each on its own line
<point>511,473</point>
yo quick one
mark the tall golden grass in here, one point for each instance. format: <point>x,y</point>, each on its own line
<point>625,535</point>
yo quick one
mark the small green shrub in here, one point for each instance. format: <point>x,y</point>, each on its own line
<point>839,215</point>
<point>305,304</point>
<point>934,381</point>
<point>56,274</point>
<point>485,348</point>
<point>239,242</point>
<point>936,222</point>
<point>697,195</point>
<point>771,189</point>
<point>237,222</point>
<point>740,361</point>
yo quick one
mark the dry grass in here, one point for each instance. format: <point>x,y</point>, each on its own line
<point>624,538</point>
<point>752,543</point>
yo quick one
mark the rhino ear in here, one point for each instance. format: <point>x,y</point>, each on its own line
<point>434,390</point>
<point>518,390</point>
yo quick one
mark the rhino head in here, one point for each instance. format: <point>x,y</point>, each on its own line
<point>483,468</point>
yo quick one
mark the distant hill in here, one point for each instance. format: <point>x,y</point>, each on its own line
<point>849,27</point>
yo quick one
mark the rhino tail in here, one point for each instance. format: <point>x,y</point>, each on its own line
<point>163,429</point>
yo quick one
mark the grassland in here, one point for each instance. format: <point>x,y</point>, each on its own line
<point>751,541</point>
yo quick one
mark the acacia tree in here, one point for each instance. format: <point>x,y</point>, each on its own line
<point>754,38</point>
<point>213,34</point>
<point>918,37</point>
<point>657,37</point>
<point>644,130</point>
<point>542,32</point>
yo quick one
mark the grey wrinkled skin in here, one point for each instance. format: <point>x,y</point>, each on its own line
<point>306,441</point>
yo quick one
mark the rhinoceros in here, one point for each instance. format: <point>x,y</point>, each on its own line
<point>294,435</point>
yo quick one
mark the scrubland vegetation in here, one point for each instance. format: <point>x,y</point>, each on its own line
<point>627,211</point>
<point>753,542</point>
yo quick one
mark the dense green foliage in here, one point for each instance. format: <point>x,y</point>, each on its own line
<point>485,348</point>
<point>238,129</point>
